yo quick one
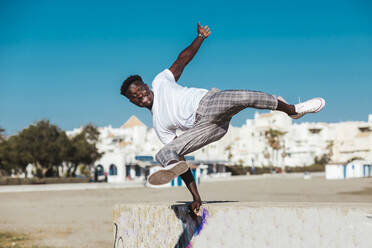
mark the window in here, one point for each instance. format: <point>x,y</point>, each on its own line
<point>99,170</point>
<point>113,170</point>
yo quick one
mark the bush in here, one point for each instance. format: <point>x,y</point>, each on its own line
<point>236,170</point>
<point>261,170</point>
<point>311,168</point>
<point>240,170</point>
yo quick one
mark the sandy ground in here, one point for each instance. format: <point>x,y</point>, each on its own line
<point>83,218</point>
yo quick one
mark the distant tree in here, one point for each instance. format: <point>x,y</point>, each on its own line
<point>326,157</point>
<point>5,164</point>
<point>354,158</point>
<point>2,136</point>
<point>2,166</point>
<point>329,147</point>
<point>228,148</point>
<point>12,157</point>
<point>82,149</point>
<point>273,138</point>
<point>46,146</point>
<point>91,133</point>
<point>43,145</point>
<point>322,160</point>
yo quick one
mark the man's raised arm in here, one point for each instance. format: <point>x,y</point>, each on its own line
<point>186,55</point>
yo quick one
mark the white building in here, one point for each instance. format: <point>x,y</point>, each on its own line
<point>299,144</point>
<point>354,169</point>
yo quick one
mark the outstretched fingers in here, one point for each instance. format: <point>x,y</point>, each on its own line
<point>204,31</point>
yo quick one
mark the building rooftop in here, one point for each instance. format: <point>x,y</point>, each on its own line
<point>132,122</point>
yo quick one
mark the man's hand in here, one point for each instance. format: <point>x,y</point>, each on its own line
<point>204,32</point>
<point>188,53</point>
<point>195,206</point>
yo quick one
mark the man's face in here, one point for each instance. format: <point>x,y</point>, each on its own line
<point>140,94</point>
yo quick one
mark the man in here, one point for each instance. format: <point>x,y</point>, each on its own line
<point>203,115</point>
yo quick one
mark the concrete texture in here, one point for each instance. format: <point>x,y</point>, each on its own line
<point>233,224</point>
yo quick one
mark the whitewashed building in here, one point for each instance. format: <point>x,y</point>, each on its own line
<point>299,145</point>
<point>354,169</point>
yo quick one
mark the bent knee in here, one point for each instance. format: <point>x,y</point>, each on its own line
<point>166,155</point>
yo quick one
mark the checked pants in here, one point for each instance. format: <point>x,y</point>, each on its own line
<point>212,120</point>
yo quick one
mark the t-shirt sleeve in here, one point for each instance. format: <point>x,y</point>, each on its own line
<point>170,75</point>
<point>165,76</point>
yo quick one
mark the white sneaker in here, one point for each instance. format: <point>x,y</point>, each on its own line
<point>166,174</point>
<point>311,106</point>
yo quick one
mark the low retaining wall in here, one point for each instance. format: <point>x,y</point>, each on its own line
<point>234,224</point>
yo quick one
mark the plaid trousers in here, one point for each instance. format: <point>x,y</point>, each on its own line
<point>212,120</point>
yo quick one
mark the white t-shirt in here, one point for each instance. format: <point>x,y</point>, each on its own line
<point>174,107</point>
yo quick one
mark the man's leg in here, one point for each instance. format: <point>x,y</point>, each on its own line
<point>193,139</point>
<point>289,109</point>
<point>202,134</point>
<point>222,105</point>
<point>225,104</point>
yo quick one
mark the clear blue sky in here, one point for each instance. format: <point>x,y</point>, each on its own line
<point>65,60</point>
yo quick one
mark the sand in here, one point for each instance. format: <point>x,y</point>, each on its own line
<point>83,218</point>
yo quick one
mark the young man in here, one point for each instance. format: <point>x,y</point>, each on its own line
<point>203,115</point>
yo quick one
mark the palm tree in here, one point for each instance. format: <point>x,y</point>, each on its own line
<point>273,138</point>
<point>229,155</point>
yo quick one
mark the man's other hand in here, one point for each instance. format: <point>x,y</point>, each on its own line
<point>195,206</point>
<point>203,31</point>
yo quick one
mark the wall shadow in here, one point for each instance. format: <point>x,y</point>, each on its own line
<point>205,202</point>
<point>192,224</point>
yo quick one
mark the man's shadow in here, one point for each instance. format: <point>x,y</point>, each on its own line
<point>192,224</point>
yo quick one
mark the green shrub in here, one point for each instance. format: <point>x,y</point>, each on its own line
<point>236,170</point>
<point>240,170</point>
<point>261,170</point>
<point>311,168</point>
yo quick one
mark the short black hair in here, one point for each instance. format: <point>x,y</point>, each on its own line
<point>127,82</point>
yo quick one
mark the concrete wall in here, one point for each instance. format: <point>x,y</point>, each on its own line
<point>233,224</point>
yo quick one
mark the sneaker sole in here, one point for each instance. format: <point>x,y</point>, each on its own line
<point>165,175</point>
